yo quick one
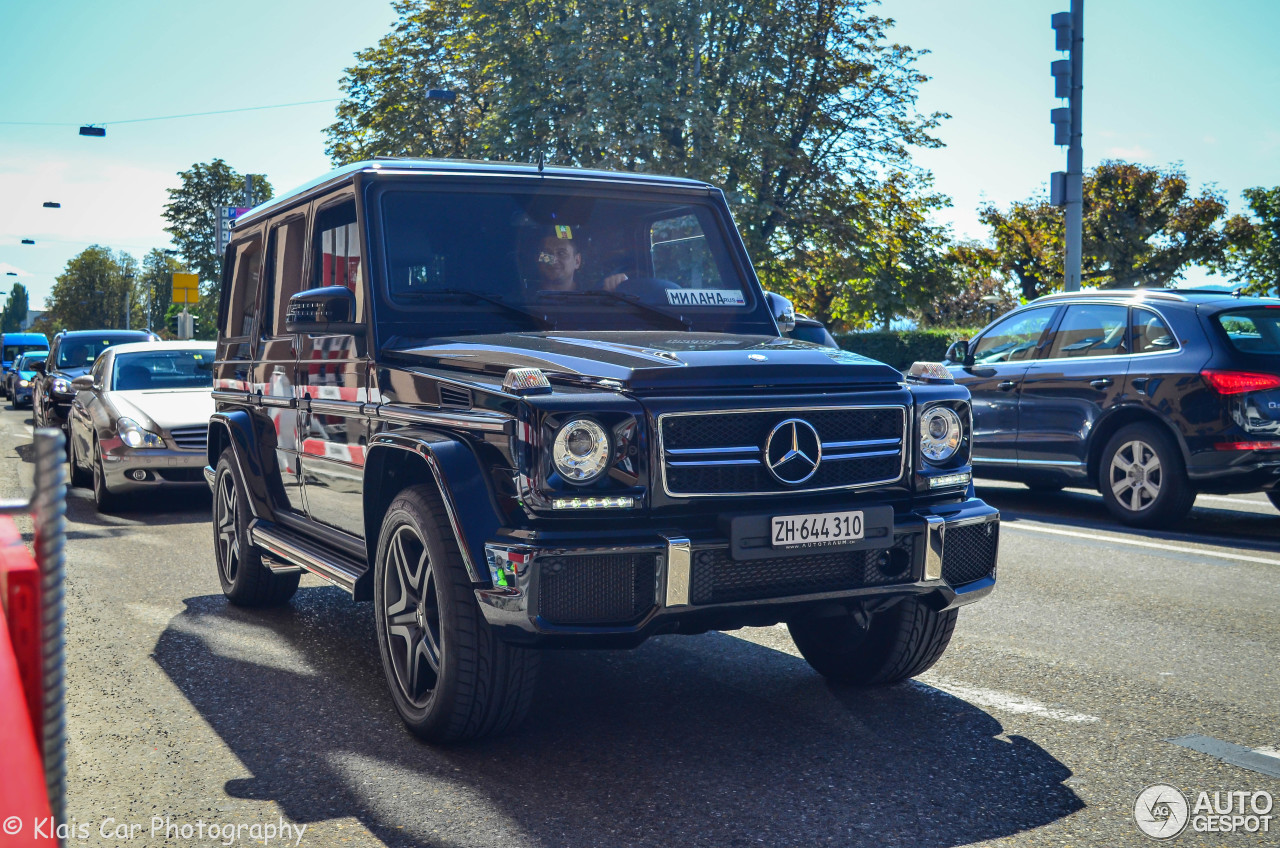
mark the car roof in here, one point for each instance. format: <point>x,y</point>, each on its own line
<point>142,347</point>
<point>79,334</point>
<point>24,337</point>
<point>1197,297</point>
<point>392,166</point>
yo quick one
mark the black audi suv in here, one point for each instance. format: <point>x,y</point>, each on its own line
<point>1150,396</point>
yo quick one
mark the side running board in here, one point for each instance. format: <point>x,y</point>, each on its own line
<point>327,564</point>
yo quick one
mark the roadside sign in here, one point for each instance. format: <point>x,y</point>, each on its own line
<point>226,220</point>
<point>186,288</point>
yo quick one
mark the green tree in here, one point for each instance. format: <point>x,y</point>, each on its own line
<point>155,284</point>
<point>1142,227</point>
<point>192,213</point>
<point>796,108</point>
<point>981,292</point>
<point>1253,256</point>
<point>15,309</point>
<point>94,291</point>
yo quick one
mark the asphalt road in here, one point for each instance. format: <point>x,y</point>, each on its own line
<point>1051,710</point>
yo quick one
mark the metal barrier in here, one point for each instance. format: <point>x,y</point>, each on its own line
<point>48,507</point>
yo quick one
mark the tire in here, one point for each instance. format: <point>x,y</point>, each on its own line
<point>78,476</point>
<point>103,498</point>
<point>245,578</point>
<point>450,676</point>
<point>896,644</point>
<point>1154,490</point>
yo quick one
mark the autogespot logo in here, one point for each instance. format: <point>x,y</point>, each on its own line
<point>793,451</point>
<point>1161,811</point>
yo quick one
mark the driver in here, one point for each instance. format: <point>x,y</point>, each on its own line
<point>559,261</point>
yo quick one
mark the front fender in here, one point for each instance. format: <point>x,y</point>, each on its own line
<point>234,429</point>
<point>460,478</point>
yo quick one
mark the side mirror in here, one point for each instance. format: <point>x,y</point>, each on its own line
<point>959,352</point>
<point>782,311</point>
<point>83,383</point>
<point>39,367</point>
<point>329,310</point>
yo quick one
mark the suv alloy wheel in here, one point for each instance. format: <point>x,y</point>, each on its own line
<point>246,580</point>
<point>450,676</point>
<point>1143,478</point>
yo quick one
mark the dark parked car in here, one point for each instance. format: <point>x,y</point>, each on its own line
<point>1150,396</point>
<point>71,355</point>
<point>521,408</point>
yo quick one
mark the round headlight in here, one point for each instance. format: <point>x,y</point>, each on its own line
<point>940,434</point>
<point>581,450</point>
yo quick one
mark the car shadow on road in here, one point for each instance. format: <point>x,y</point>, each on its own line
<point>706,740</point>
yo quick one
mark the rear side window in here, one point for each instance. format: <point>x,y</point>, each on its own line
<point>285,250</point>
<point>1150,333</point>
<point>1090,329</point>
<point>246,278</point>
<point>1255,330</point>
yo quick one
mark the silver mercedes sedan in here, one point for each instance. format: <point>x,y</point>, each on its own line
<point>140,419</point>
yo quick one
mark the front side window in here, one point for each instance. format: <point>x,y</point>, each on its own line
<point>1090,329</point>
<point>163,369</point>
<point>561,259</point>
<point>337,257</point>
<point>1014,339</point>
<point>1253,330</point>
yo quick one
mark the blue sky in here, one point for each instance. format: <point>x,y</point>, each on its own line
<point>1170,81</point>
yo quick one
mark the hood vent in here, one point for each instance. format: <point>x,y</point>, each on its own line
<point>454,397</point>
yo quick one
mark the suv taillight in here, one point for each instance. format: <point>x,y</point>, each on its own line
<point>1239,382</point>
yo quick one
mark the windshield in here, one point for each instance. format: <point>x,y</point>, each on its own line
<point>163,369</point>
<point>80,352</point>
<point>28,361</point>
<point>493,261</point>
<point>1255,330</point>
<point>12,352</point>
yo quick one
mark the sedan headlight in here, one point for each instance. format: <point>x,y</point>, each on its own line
<point>940,434</point>
<point>61,386</point>
<point>581,450</point>
<point>133,435</point>
<point>22,384</point>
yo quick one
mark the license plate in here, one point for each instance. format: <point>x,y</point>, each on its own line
<point>816,530</point>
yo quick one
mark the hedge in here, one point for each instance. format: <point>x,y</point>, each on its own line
<point>900,348</point>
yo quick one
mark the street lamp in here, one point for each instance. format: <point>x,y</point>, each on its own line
<point>991,300</point>
<point>91,130</point>
<point>28,241</point>
<point>52,204</point>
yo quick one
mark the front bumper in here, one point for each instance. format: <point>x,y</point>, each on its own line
<point>157,467</point>
<point>620,593</point>
<point>22,394</point>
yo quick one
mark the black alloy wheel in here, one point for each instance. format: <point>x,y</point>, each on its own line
<point>450,676</point>
<point>246,580</point>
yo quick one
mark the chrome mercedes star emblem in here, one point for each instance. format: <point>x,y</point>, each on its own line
<point>757,357</point>
<point>793,451</point>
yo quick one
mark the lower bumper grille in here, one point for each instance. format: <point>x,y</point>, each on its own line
<point>969,552</point>
<point>181,475</point>
<point>602,589</point>
<point>717,578</point>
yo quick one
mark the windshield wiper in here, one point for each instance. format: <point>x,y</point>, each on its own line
<point>487,298</point>
<point>629,299</point>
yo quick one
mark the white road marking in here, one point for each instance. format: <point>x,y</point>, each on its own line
<point>1137,543</point>
<point>1231,499</point>
<point>1236,755</point>
<point>1004,701</point>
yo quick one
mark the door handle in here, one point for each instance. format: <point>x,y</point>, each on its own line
<point>1101,382</point>
<point>1005,385</point>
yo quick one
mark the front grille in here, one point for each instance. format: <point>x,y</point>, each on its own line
<point>190,438</point>
<point>718,578</point>
<point>722,453</point>
<point>599,589</point>
<point>969,552</point>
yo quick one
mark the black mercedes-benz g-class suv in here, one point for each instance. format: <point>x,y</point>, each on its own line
<point>520,408</point>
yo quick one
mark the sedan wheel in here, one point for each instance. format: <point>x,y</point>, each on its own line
<point>103,497</point>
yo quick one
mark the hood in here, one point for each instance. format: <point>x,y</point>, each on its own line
<point>656,360</point>
<point>165,408</point>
